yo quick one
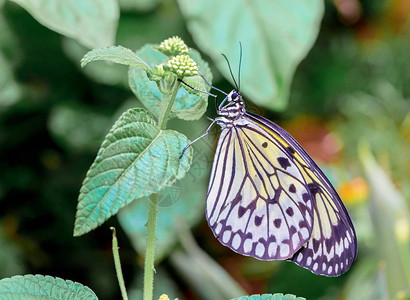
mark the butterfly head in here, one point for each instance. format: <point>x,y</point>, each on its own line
<point>232,106</point>
<point>235,96</point>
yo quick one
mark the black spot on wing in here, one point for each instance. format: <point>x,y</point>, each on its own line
<point>258,220</point>
<point>265,144</point>
<point>306,197</point>
<point>277,222</point>
<point>290,150</point>
<point>284,162</point>
<point>289,211</point>
<point>241,211</point>
<point>313,188</point>
<point>292,188</point>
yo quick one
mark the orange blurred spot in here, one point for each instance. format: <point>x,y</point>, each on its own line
<point>398,14</point>
<point>395,16</point>
<point>314,137</point>
<point>367,31</point>
<point>354,191</point>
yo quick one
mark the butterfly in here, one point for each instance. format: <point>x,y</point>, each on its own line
<point>268,199</point>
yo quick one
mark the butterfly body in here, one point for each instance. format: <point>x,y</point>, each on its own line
<point>268,199</point>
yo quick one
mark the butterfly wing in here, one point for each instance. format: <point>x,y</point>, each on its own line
<point>332,247</point>
<point>258,201</point>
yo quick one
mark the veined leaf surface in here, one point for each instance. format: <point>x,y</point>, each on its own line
<point>135,160</point>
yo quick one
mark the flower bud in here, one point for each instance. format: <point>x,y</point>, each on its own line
<point>182,65</point>
<point>173,46</point>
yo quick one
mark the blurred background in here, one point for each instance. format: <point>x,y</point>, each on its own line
<point>347,104</point>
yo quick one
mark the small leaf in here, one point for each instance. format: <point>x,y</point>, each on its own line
<point>92,22</point>
<point>187,106</point>
<point>43,287</point>
<point>99,71</point>
<point>184,202</point>
<point>277,296</point>
<point>117,54</point>
<point>275,35</point>
<point>135,160</point>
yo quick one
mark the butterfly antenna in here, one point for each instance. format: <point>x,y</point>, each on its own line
<point>209,94</point>
<point>212,87</point>
<point>240,64</point>
<point>191,87</point>
<point>230,70</point>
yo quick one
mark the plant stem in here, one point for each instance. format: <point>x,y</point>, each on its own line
<point>164,114</point>
<point>117,263</point>
<point>150,248</point>
<point>166,106</point>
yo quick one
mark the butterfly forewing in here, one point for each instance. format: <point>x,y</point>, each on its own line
<point>332,247</point>
<point>259,203</point>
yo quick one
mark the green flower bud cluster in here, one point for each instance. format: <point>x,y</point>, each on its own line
<point>173,46</point>
<point>178,64</point>
<point>157,73</point>
<point>182,65</point>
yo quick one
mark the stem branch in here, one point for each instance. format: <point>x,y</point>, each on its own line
<point>117,263</point>
<point>164,114</point>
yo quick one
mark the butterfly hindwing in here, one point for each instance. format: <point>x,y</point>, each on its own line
<point>258,202</point>
<point>332,247</point>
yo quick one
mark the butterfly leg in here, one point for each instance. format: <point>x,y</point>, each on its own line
<point>210,119</point>
<point>198,138</point>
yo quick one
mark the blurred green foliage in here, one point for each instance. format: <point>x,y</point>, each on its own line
<point>54,115</point>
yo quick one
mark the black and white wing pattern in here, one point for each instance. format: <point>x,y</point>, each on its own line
<point>332,247</point>
<point>259,203</point>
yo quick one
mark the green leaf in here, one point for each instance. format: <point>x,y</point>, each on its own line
<point>100,71</point>
<point>43,287</point>
<point>184,202</point>
<point>135,160</point>
<point>117,54</point>
<point>199,108</point>
<point>91,22</point>
<point>132,32</point>
<point>277,296</point>
<point>275,35</point>
<point>187,106</point>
